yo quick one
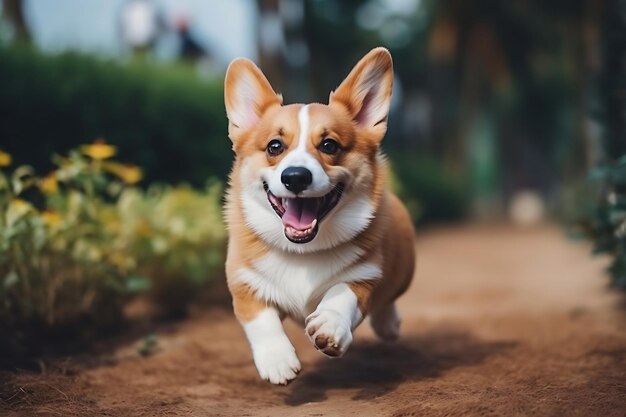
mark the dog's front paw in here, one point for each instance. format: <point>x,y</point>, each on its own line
<point>279,365</point>
<point>329,332</point>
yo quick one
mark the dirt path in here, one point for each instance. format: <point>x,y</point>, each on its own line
<point>498,322</point>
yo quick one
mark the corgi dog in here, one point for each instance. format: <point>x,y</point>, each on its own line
<point>315,234</point>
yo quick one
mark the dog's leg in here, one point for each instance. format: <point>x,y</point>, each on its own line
<point>274,355</point>
<point>342,308</point>
<point>385,322</point>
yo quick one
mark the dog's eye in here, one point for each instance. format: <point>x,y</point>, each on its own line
<point>275,147</point>
<point>329,146</point>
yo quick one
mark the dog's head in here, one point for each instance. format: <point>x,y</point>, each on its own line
<point>307,176</point>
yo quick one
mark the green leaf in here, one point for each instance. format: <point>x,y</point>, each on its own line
<point>136,284</point>
<point>618,175</point>
<point>11,279</point>
<point>599,173</point>
<point>617,216</point>
<point>603,246</point>
<point>148,345</point>
<point>618,201</point>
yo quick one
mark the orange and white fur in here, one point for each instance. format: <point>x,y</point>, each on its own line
<point>315,232</point>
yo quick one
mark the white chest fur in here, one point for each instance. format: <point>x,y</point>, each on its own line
<point>297,282</point>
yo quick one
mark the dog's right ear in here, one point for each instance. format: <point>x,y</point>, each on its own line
<point>247,95</point>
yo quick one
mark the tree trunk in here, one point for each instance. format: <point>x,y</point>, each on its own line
<point>270,43</point>
<point>13,11</point>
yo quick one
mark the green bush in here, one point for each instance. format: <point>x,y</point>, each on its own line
<point>176,237</point>
<point>605,222</point>
<point>166,119</point>
<point>431,193</point>
<point>606,225</point>
<point>78,244</point>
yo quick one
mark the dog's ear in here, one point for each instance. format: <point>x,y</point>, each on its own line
<point>366,92</point>
<point>247,95</point>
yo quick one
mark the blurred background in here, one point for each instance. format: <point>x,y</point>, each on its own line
<point>500,111</point>
<point>494,102</point>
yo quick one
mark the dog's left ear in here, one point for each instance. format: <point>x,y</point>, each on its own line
<point>366,92</point>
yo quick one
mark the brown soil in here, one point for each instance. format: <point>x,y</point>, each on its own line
<point>499,321</point>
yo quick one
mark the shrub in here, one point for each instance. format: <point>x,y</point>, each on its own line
<point>606,225</point>
<point>176,236</point>
<point>163,118</point>
<point>606,222</point>
<point>78,244</point>
<point>430,192</point>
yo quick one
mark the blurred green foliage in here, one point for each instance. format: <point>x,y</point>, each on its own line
<point>164,118</point>
<point>176,237</point>
<point>606,225</point>
<point>78,244</point>
<point>499,89</point>
<point>431,193</point>
<point>605,222</point>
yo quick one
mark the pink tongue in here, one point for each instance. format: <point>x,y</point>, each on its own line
<point>300,213</point>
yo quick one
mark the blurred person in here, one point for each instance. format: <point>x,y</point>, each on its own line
<point>190,48</point>
<point>140,26</point>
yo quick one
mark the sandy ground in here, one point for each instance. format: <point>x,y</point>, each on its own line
<point>499,321</point>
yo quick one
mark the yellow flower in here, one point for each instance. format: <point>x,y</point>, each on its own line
<point>143,228</point>
<point>49,184</point>
<point>130,174</point>
<point>122,261</point>
<point>17,209</point>
<point>5,159</point>
<point>51,218</point>
<point>19,204</point>
<point>99,150</point>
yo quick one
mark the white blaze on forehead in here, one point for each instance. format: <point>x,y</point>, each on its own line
<point>299,156</point>
<point>303,121</point>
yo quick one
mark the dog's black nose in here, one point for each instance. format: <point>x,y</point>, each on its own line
<point>296,179</point>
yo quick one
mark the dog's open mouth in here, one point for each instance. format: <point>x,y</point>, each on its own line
<point>301,216</point>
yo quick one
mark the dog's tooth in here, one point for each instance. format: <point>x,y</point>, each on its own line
<point>285,202</point>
